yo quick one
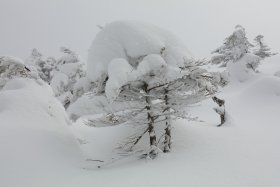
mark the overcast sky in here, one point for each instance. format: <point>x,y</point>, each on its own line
<point>201,24</point>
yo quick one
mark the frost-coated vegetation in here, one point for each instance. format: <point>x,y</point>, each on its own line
<point>139,75</point>
<point>64,74</point>
<point>240,56</point>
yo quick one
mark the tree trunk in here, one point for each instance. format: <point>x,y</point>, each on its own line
<point>221,110</point>
<point>223,119</point>
<point>167,138</point>
<point>153,140</point>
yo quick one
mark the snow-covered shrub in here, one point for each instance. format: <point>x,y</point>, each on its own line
<point>63,74</point>
<point>244,68</point>
<point>12,67</point>
<point>44,67</point>
<point>66,74</point>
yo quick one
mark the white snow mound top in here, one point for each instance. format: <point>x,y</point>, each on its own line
<point>132,41</point>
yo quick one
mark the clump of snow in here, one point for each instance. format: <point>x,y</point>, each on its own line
<point>82,86</point>
<point>120,72</point>
<point>68,57</point>
<point>132,41</point>
<point>59,83</point>
<point>87,105</point>
<point>244,68</point>
<point>150,63</point>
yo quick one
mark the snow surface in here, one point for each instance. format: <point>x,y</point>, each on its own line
<point>39,148</point>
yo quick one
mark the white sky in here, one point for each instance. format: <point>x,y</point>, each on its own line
<point>201,24</point>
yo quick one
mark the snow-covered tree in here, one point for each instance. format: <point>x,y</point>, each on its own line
<point>68,71</point>
<point>236,55</point>
<point>148,73</point>
<point>159,92</point>
<point>65,74</point>
<point>261,49</point>
<point>234,47</point>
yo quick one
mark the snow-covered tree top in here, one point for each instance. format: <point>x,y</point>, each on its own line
<point>234,47</point>
<point>69,56</point>
<point>11,67</point>
<point>133,41</point>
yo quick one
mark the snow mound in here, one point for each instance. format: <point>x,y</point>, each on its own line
<point>132,41</point>
<point>35,138</point>
<point>87,105</point>
<point>244,68</point>
<point>263,89</point>
<point>70,69</point>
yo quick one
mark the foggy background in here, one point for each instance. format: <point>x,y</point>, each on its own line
<point>201,24</point>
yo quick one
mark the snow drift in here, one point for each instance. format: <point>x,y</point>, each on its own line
<point>35,140</point>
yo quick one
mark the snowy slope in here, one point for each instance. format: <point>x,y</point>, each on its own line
<point>242,153</point>
<point>37,148</point>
